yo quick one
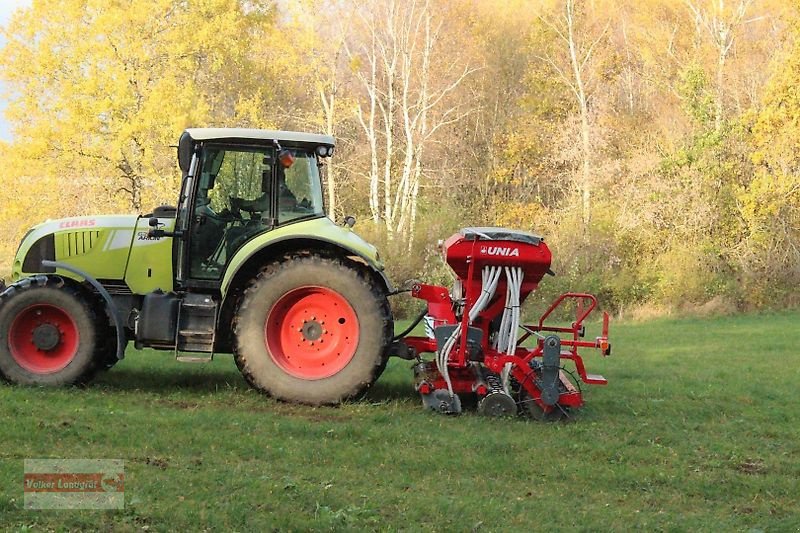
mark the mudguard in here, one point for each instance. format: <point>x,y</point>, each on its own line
<point>320,230</point>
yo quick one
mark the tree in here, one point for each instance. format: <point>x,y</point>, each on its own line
<point>95,102</point>
<point>397,59</point>
<point>575,71</point>
<point>770,203</point>
<point>720,24</point>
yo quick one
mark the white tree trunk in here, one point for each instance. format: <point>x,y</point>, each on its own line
<point>721,28</point>
<point>585,182</point>
<point>574,76</point>
<point>368,125</point>
<point>401,88</point>
<point>329,110</point>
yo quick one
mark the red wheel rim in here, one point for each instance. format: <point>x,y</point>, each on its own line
<point>43,339</point>
<point>312,332</point>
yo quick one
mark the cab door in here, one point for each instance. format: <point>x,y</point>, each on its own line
<point>233,201</point>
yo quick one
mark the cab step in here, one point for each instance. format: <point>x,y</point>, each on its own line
<point>204,358</point>
<point>197,320</point>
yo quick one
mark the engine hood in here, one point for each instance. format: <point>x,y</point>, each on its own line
<point>73,238</point>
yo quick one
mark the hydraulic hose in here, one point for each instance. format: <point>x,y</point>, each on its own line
<point>490,276</point>
<point>412,326</point>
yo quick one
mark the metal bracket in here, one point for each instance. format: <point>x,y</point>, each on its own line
<point>550,370</point>
<point>474,339</point>
<point>440,401</point>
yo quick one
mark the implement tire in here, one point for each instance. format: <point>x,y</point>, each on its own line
<point>312,330</point>
<point>48,337</point>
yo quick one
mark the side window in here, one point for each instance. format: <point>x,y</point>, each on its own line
<point>299,188</point>
<point>240,175</point>
<point>231,205</point>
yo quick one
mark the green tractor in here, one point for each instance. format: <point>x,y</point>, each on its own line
<point>247,263</point>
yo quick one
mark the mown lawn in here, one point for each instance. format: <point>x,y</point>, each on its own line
<point>698,429</point>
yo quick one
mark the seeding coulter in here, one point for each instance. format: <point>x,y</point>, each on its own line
<point>476,333</point>
<point>247,262</point>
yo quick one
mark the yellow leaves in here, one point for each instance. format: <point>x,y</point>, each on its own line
<point>530,216</point>
<point>770,204</point>
<point>769,196</point>
<point>776,129</point>
<point>100,89</point>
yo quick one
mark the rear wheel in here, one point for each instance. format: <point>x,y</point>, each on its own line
<point>312,330</point>
<point>49,337</point>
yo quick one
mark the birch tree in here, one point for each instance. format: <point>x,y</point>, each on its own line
<point>573,64</point>
<point>720,24</point>
<point>407,86</point>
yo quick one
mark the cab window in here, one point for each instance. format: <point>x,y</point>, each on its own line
<point>299,188</point>
<point>232,204</point>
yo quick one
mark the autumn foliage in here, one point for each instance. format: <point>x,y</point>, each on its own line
<point>654,143</point>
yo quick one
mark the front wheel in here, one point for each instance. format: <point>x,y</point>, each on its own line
<point>48,337</point>
<point>312,330</point>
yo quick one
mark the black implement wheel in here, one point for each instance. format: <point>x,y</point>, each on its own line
<point>48,337</point>
<point>312,330</point>
<point>530,409</point>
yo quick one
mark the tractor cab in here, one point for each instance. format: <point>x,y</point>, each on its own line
<point>238,184</point>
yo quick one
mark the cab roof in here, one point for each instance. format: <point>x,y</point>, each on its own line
<point>210,134</point>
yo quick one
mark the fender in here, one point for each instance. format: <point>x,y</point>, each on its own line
<point>112,308</point>
<point>308,235</point>
<point>320,230</point>
<point>41,280</point>
<point>7,291</point>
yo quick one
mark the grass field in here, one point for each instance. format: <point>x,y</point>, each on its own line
<point>698,429</point>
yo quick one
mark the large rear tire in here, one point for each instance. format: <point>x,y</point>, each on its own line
<point>312,330</point>
<point>48,337</point>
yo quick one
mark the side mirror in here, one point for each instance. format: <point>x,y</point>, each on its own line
<point>157,233</point>
<point>185,150</point>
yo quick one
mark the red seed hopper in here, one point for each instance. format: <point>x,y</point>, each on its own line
<point>476,332</point>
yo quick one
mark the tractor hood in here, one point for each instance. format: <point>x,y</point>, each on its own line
<point>76,240</point>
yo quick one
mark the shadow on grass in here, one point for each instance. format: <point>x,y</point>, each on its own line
<point>390,390</point>
<point>162,380</point>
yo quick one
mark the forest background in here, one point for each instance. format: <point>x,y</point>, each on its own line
<point>654,143</point>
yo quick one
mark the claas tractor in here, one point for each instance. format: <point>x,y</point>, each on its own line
<point>248,263</point>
